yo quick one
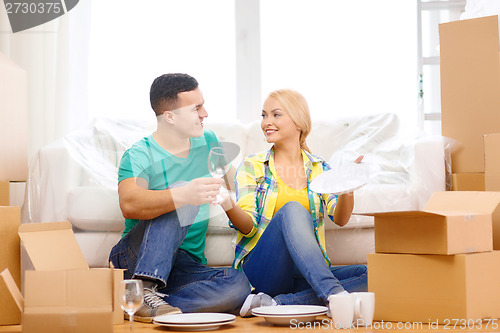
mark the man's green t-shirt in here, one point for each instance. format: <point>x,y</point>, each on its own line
<point>147,159</point>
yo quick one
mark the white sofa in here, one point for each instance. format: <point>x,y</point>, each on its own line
<point>75,179</point>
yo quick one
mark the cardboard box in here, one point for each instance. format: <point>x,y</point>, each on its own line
<point>492,162</point>
<point>4,193</point>
<point>17,191</point>
<point>73,300</point>
<point>423,232</point>
<point>435,230</point>
<point>13,121</point>
<point>52,246</point>
<point>471,181</point>
<point>63,294</point>
<point>61,301</point>
<point>10,218</point>
<point>430,288</point>
<point>470,82</point>
<point>483,202</point>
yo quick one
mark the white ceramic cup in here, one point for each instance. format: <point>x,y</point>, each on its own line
<point>342,310</point>
<point>364,308</point>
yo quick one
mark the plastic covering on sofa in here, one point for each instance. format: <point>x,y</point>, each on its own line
<point>75,179</point>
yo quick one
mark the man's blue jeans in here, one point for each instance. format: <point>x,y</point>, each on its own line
<point>287,262</point>
<point>151,250</point>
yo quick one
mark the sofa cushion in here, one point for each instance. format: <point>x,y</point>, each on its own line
<point>96,246</point>
<point>95,208</point>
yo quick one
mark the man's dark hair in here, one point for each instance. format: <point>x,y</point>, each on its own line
<point>165,89</point>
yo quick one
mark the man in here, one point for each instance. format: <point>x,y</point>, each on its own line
<point>164,190</point>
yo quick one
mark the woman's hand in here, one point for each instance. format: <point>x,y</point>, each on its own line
<point>227,202</point>
<point>359,159</point>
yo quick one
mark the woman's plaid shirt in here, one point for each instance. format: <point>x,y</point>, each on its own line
<point>257,191</point>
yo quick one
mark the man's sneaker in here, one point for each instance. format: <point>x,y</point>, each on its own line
<point>254,301</point>
<point>152,306</point>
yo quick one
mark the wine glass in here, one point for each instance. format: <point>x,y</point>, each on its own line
<point>131,297</point>
<point>218,166</point>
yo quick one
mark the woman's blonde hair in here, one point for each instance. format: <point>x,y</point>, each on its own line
<point>295,105</point>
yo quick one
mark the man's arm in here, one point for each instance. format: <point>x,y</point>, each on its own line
<point>137,202</point>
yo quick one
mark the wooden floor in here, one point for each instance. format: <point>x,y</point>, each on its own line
<point>257,324</point>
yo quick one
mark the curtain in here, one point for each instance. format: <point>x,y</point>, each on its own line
<point>54,56</point>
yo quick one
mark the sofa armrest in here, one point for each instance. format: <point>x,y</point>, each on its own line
<point>52,174</point>
<point>428,174</point>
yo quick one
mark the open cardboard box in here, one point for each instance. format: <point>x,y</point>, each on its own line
<point>436,288</point>
<point>480,202</point>
<point>449,224</point>
<point>470,86</point>
<point>63,294</point>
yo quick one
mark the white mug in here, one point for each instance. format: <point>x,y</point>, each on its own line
<point>342,310</point>
<point>364,308</point>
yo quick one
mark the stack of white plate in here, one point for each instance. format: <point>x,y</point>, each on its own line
<point>284,314</point>
<point>194,321</point>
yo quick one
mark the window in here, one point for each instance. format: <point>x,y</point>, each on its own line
<point>345,57</point>
<point>133,42</point>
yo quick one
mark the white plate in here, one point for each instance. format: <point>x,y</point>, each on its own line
<point>344,179</point>
<point>284,314</point>
<point>194,327</point>
<point>194,321</point>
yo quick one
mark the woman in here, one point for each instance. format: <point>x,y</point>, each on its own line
<point>281,239</point>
